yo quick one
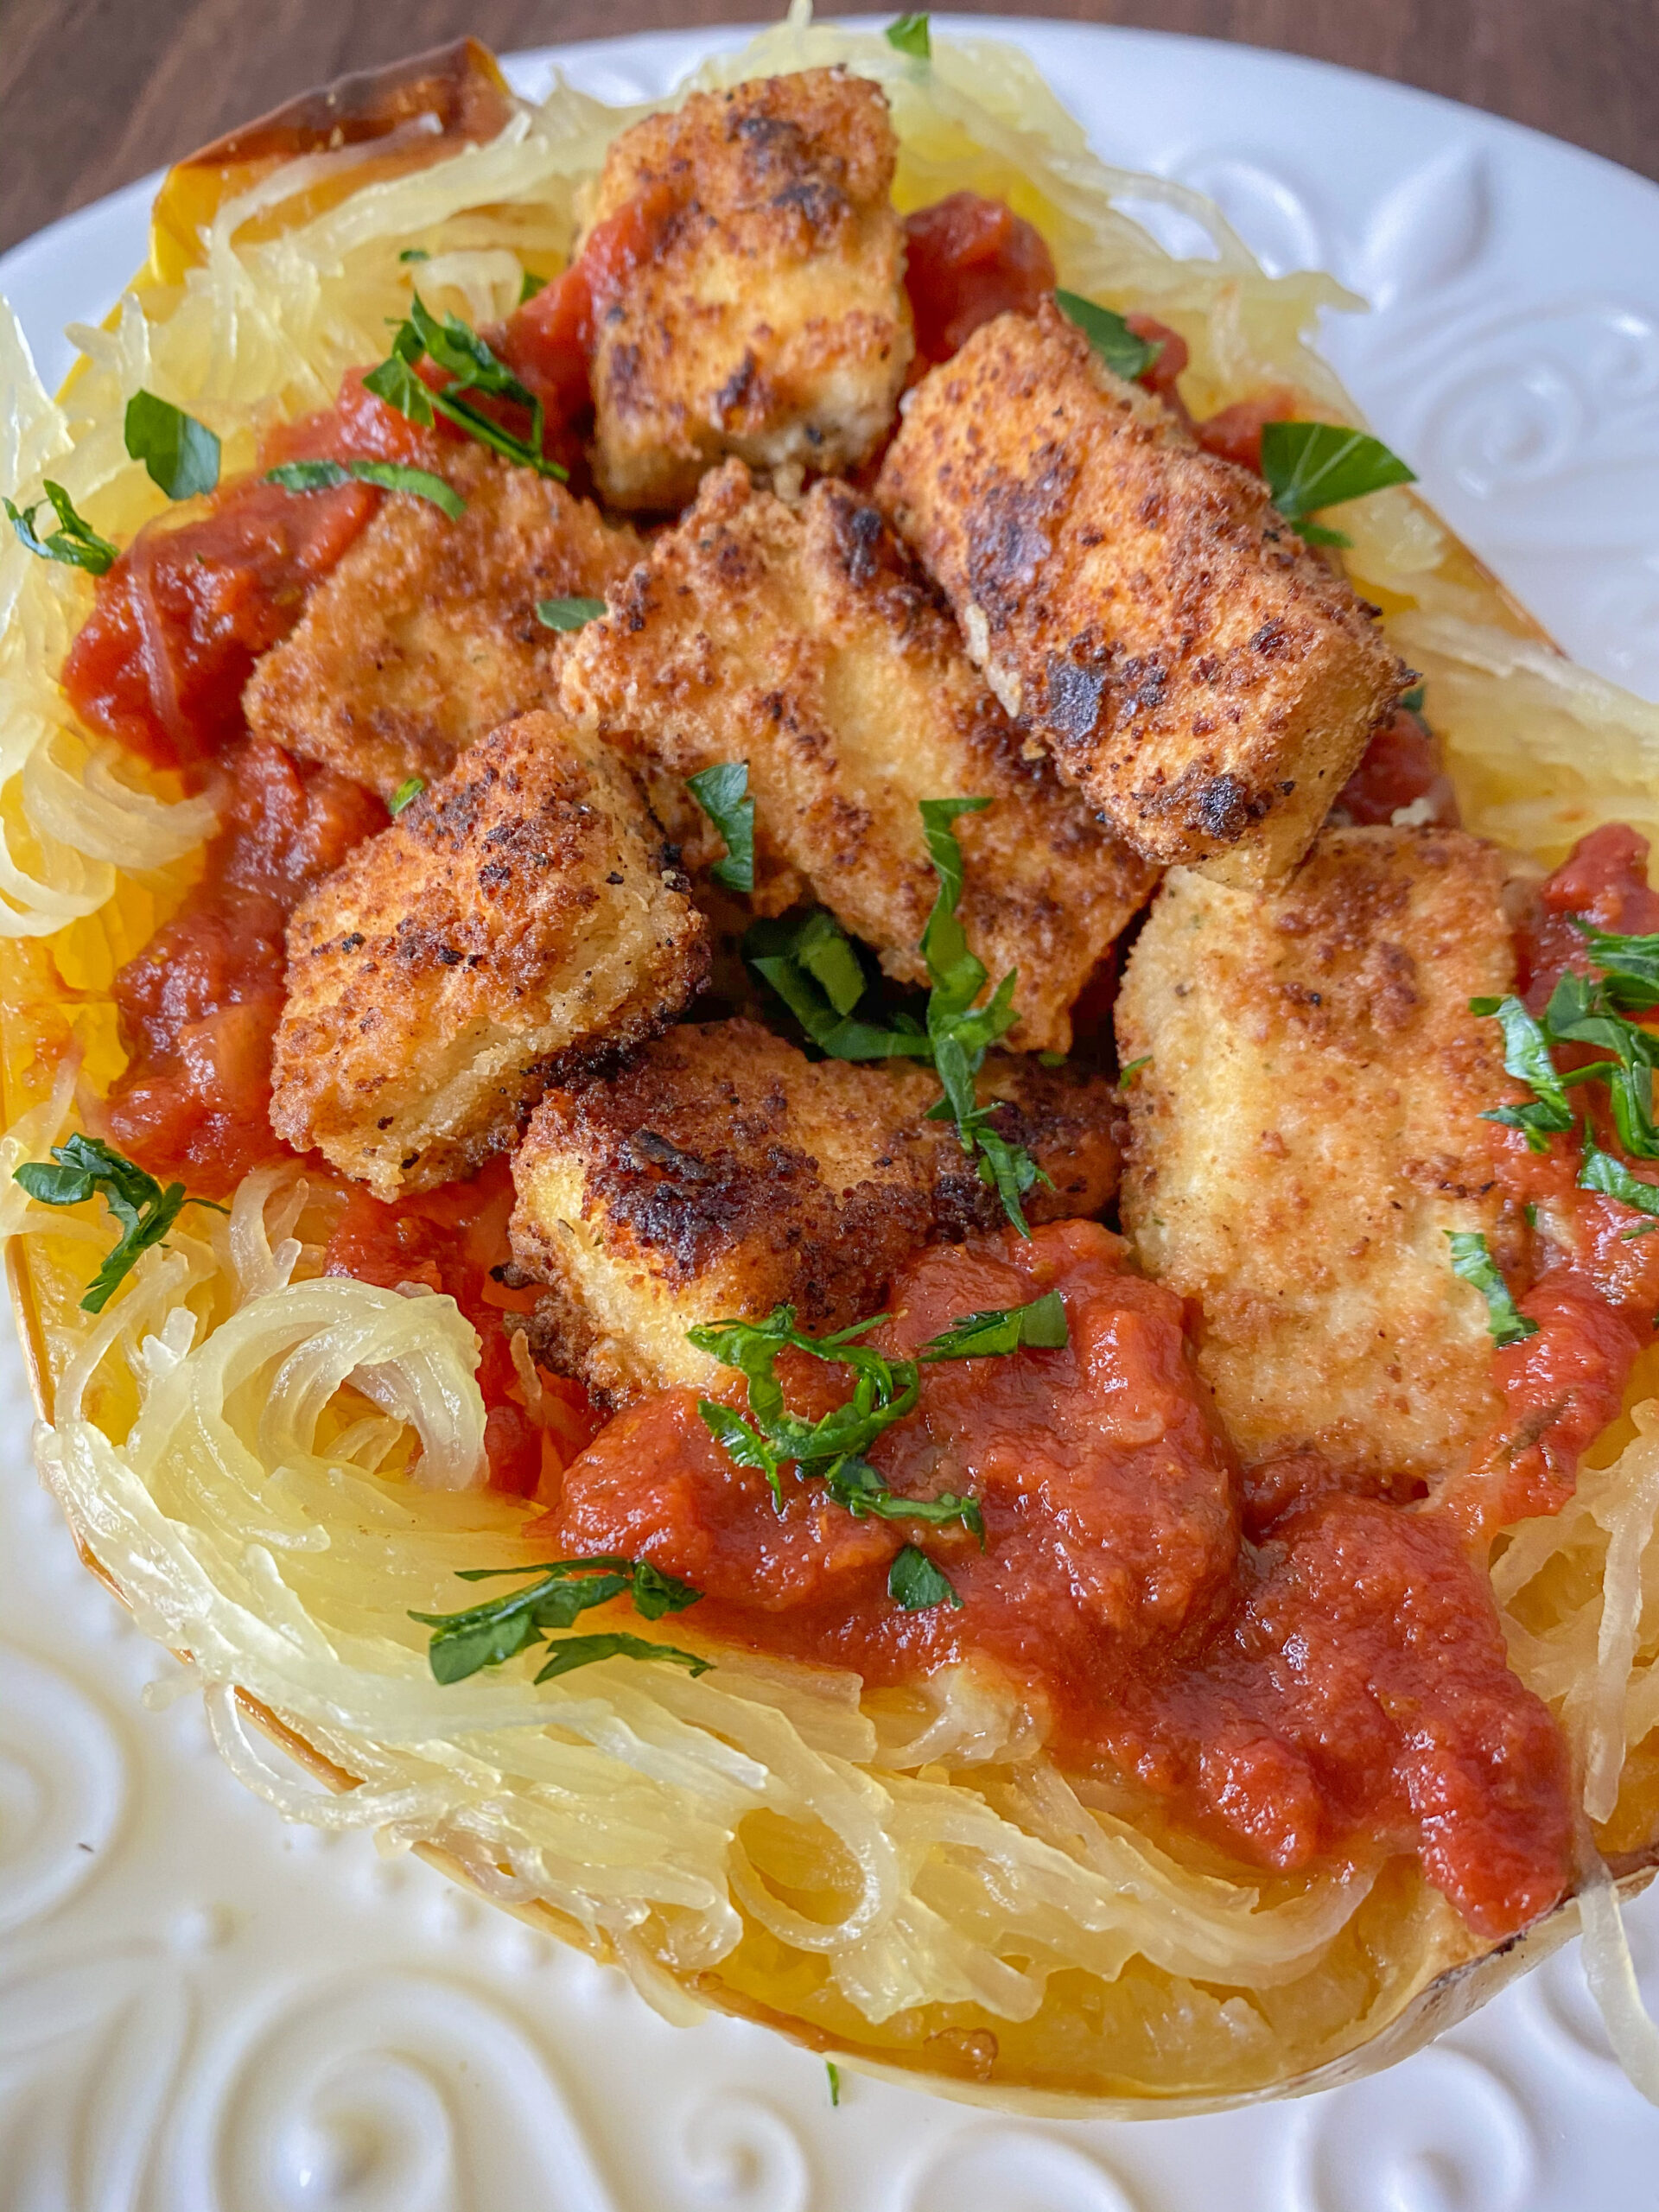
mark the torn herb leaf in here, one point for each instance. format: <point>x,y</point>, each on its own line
<point>722,792</point>
<point>573,1651</point>
<point>1126,1076</point>
<point>811,964</point>
<point>568,615</point>
<point>1526,1056</point>
<point>385,475</point>
<point>84,1168</point>
<point>181,454</point>
<point>1471,1258</point>
<point>1629,965</point>
<point>74,542</point>
<point>1310,466</point>
<point>1040,1326</point>
<point>487,1634</point>
<point>917,1585</point>
<point>472,368</point>
<point>854,1483</point>
<point>1601,1171</point>
<point>910,35</point>
<point>1114,342</point>
<point>405,794</point>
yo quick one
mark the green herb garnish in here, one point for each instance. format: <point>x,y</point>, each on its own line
<point>468,360</point>
<point>1526,1056</point>
<point>916,1583</point>
<point>722,792</point>
<point>1629,965</point>
<point>1126,1076</point>
<point>1040,1326</point>
<point>567,615</point>
<point>74,542</point>
<point>1412,700</point>
<point>809,962</point>
<point>1310,466</point>
<point>414,253</point>
<point>181,454</point>
<point>528,285</point>
<point>834,2072</point>
<point>388,475</point>
<point>910,35</point>
<point>405,794</point>
<point>1471,1258</point>
<point>1601,1171</point>
<point>485,1634</point>
<point>1114,342</point>
<point>85,1166</point>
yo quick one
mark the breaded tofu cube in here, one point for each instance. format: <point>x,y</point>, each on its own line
<point>1202,677</point>
<point>768,317</point>
<point>1308,1130</point>
<point>425,639</point>
<point>517,922</point>
<point>720,1173</point>
<point>804,640</point>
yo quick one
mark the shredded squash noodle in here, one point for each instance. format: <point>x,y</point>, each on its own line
<point>276,1468</point>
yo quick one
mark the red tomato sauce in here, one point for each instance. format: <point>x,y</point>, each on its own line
<point>453,1240</point>
<point>1339,1686</point>
<point>182,616</point>
<point>1402,765</point>
<point>968,260</point>
<point>200,1004</point>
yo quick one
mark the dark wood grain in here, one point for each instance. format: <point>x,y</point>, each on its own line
<point>93,93</point>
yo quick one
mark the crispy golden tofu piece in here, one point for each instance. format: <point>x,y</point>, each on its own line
<point>517,922</point>
<point>1307,1132</point>
<point>803,640</point>
<point>721,1172</point>
<point>1202,679</point>
<point>769,317</point>
<point>424,639</point>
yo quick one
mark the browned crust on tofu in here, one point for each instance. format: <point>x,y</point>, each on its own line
<point>517,922</point>
<point>1308,1131</point>
<point>424,639</point>
<point>770,319</point>
<point>720,1173</point>
<point>1203,679</point>
<point>804,640</point>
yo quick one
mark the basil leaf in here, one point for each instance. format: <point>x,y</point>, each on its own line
<point>396,381</point>
<point>414,253</point>
<point>405,794</point>
<point>1412,700</point>
<point>917,1585</point>
<point>655,1593</point>
<point>181,454</point>
<point>420,483</point>
<point>1601,1171</point>
<point>473,367</point>
<point>528,285</point>
<point>87,1166</point>
<point>309,475</point>
<point>910,35</point>
<point>568,615</point>
<point>722,793</point>
<point>1040,1326</point>
<point>823,949</point>
<point>1471,1258</point>
<point>1630,966</point>
<point>485,1634</point>
<point>458,1650</point>
<point>833,1033</point>
<point>1526,1056</point>
<point>1114,342</point>
<point>853,1482</point>
<point>1126,1076</point>
<point>574,1651</point>
<point>74,542</point>
<point>1309,466</point>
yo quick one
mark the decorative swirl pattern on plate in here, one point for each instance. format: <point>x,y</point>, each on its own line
<point>740,2152</point>
<point>1441,2133</point>
<point>63,1788</point>
<point>1016,2169</point>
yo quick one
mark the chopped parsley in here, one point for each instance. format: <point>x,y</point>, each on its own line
<point>812,965</point>
<point>1114,342</point>
<point>487,1634</point>
<point>568,615</point>
<point>75,542</point>
<point>1471,1258</point>
<point>1310,466</point>
<point>388,475</point>
<point>85,1166</point>
<point>915,1584</point>
<point>473,368</point>
<point>181,454</point>
<point>1040,1326</point>
<point>722,792</point>
<point>910,35</point>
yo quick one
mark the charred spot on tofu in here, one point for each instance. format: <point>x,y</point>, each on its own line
<point>424,638</point>
<point>720,1173</point>
<point>1202,679</point>
<point>1307,1130</point>
<point>769,319</point>
<point>804,640</point>
<point>518,921</point>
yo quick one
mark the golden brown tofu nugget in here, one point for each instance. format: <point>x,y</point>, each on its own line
<point>1202,677</point>
<point>519,920</point>
<point>720,1173</point>
<point>768,317</point>
<point>425,637</point>
<point>803,640</point>
<point>1308,1131</point>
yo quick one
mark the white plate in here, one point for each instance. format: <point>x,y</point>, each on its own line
<point>203,2010</point>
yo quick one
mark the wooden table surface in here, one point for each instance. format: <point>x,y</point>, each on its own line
<point>93,93</point>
